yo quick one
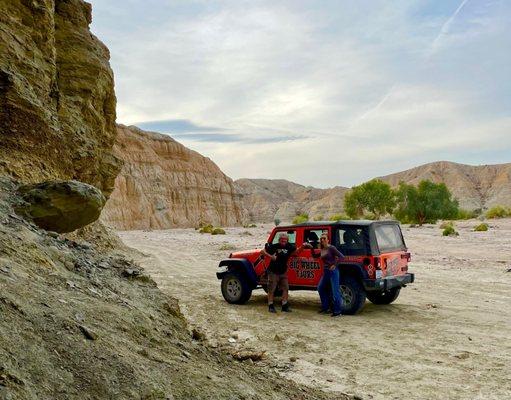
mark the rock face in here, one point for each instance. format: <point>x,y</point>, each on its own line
<point>57,101</point>
<point>163,185</point>
<point>475,187</point>
<point>61,206</point>
<point>266,199</point>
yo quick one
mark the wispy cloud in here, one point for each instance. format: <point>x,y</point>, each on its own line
<point>446,27</point>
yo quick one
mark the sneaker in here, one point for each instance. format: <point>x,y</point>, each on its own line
<point>324,311</point>
<point>271,308</point>
<point>285,308</point>
<point>336,314</point>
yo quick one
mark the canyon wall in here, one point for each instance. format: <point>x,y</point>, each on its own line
<point>163,184</point>
<point>57,100</point>
<point>267,199</point>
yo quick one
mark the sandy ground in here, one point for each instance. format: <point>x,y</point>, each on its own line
<point>448,335</point>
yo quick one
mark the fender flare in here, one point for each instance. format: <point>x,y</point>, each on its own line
<point>241,265</point>
<point>352,269</point>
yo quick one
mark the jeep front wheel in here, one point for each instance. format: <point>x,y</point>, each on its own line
<point>235,288</point>
<point>353,295</point>
<point>384,297</point>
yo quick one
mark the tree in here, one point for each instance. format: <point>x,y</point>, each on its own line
<point>375,197</point>
<point>426,203</point>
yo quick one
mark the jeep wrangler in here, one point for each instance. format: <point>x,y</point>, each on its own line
<point>375,265</point>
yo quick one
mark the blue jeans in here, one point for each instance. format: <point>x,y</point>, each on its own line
<point>330,285</point>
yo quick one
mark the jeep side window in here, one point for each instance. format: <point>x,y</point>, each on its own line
<point>312,236</point>
<point>352,241</point>
<point>389,237</point>
<point>291,234</point>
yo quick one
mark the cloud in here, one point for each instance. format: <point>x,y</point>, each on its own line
<point>328,93</point>
<point>176,125</point>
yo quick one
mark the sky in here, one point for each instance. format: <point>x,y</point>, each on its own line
<point>322,93</point>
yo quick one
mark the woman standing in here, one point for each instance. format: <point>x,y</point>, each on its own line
<point>330,279</point>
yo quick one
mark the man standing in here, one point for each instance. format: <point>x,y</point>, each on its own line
<point>277,270</point>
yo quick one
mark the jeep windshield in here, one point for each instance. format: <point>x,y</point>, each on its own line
<point>389,237</point>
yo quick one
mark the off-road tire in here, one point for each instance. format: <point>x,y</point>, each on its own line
<point>383,297</point>
<point>235,288</point>
<point>353,295</point>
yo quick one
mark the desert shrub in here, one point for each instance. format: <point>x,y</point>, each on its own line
<point>206,229</point>
<point>425,203</point>
<point>481,227</point>
<point>218,231</point>
<point>251,225</point>
<point>498,212</point>
<point>446,224</point>
<point>466,214</point>
<point>375,197</point>
<point>299,219</point>
<point>319,218</point>
<point>337,217</point>
<point>276,221</point>
<point>450,231</point>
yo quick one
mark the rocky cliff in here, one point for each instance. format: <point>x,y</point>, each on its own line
<point>163,184</point>
<point>266,199</point>
<point>475,187</point>
<point>57,101</point>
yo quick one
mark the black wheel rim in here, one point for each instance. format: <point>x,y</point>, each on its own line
<point>233,288</point>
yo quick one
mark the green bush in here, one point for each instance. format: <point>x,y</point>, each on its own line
<point>218,231</point>
<point>250,226</point>
<point>319,217</point>
<point>276,221</point>
<point>426,203</point>
<point>450,231</point>
<point>498,212</point>
<point>299,219</point>
<point>374,197</point>
<point>337,217</point>
<point>206,229</point>
<point>481,227</point>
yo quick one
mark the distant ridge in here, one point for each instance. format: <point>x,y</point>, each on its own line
<point>475,187</point>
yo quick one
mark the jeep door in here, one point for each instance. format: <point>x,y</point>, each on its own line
<point>307,268</point>
<point>263,265</point>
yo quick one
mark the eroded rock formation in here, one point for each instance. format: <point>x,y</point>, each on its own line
<point>163,185</point>
<point>266,199</point>
<point>57,101</point>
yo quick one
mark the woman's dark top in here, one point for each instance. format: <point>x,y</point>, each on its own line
<point>329,255</point>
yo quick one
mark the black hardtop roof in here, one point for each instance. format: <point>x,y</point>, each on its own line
<point>354,222</point>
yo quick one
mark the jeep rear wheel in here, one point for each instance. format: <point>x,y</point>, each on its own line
<point>353,295</point>
<point>384,297</point>
<point>235,288</point>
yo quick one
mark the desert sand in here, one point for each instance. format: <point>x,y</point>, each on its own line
<point>448,335</point>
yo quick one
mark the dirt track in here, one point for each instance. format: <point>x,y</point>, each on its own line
<point>447,336</point>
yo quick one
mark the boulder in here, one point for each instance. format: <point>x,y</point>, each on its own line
<point>61,206</point>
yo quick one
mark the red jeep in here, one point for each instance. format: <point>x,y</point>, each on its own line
<point>375,264</point>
